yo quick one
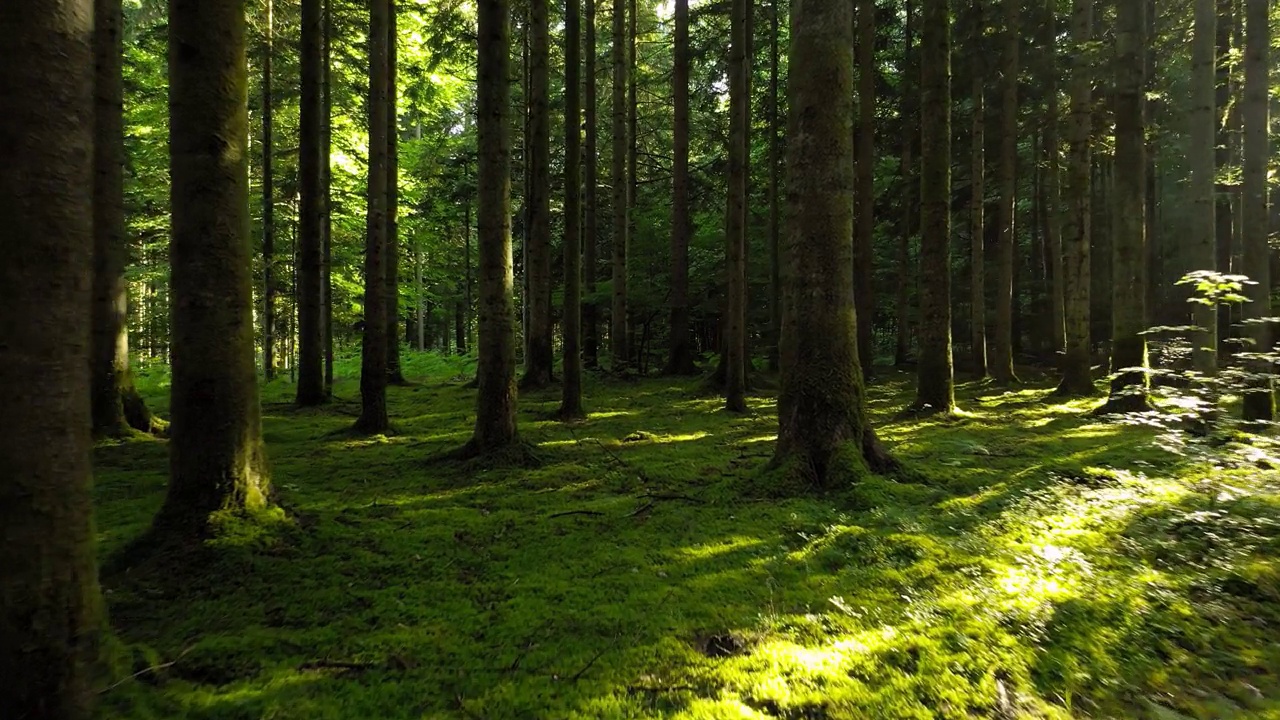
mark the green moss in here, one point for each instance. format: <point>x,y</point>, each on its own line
<point>1052,566</point>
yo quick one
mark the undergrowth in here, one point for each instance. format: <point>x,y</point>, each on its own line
<point>1055,565</point>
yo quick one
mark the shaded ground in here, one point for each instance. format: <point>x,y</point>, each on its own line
<point>1055,566</point>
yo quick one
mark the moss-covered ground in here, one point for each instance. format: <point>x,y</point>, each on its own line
<point>1049,564</point>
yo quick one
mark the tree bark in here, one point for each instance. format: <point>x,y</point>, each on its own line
<point>681,358</point>
<point>775,185</point>
<point>591,184</point>
<point>902,346</point>
<point>621,203</point>
<point>311,389</point>
<point>496,373</point>
<point>735,215</point>
<point>1259,403</point>
<point>268,207</point>
<point>978,200</point>
<point>864,187</point>
<point>326,207</point>
<point>374,372</point>
<point>1052,193</point>
<point>1002,348</point>
<point>216,458</point>
<point>1225,231</point>
<point>541,355</point>
<point>51,619</point>
<point>571,389</point>
<point>825,440</point>
<point>1077,378</point>
<point>1199,253</point>
<point>395,374</point>
<point>935,389</point>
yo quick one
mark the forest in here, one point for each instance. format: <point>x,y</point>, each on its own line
<point>688,359</point>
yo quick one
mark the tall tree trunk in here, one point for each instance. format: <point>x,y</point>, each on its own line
<point>591,184</point>
<point>1052,192</point>
<point>395,374</point>
<point>825,440</point>
<point>1259,403</point>
<point>216,459</point>
<point>541,356</point>
<point>902,346</point>
<point>51,622</point>
<point>775,182</point>
<point>1002,347</point>
<point>735,215</point>
<point>633,150</point>
<point>621,223</point>
<point>326,182</point>
<point>935,390</point>
<point>268,207</point>
<point>864,187</point>
<point>978,199</point>
<point>116,404</point>
<point>571,390</point>
<point>496,373</point>
<point>1224,221</point>
<point>1128,266</point>
<point>311,209</point>
<point>377,335</point>
<point>1077,378</point>
<point>1200,253</point>
<point>681,358</point>
<point>466,222</point>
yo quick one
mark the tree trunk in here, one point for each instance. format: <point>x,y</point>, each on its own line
<point>618,178</point>
<point>51,620</point>
<point>633,149</point>
<point>216,459</point>
<point>935,390</point>
<point>902,346</point>
<point>571,390</point>
<point>1259,403</point>
<point>1077,378</point>
<point>1224,222</point>
<point>978,200</point>
<point>326,181</point>
<point>825,440</point>
<point>1002,348</point>
<point>541,356</point>
<point>377,329</point>
<point>1199,253</point>
<point>496,373</point>
<point>1052,192</point>
<point>395,374</point>
<point>115,402</point>
<point>311,208</point>
<point>590,206</point>
<point>735,216</point>
<point>775,183</point>
<point>681,358</point>
<point>864,187</point>
<point>1128,265</point>
<point>268,208</point>
<point>466,222</point>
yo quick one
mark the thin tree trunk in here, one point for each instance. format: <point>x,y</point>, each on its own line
<point>268,208</point>
<point>775,184</point>
<point>1224,221</point>
<point>1002,348</point>
<point>1052,193</point>
<point>395,374</point>
<point>496,373</point>
<point>466,221</point>
<point>902,346</point>
<point>681,358</point>
<point>633,149</point>
<point>935,389</point>
<point>591,184</point>
<point>326,180</point>
<point>1077,378</point>
<point>621,202</point>
<point>571,390</point>
<point>1199,253</point>
<point>978,200</point>
<point>216,458</point>
<point>373,351</point>
<point>735,215</point>
<point>1259,403</point>
<point>310,288</point>
<point>825,440</point>
<point>864,187</point>
<point>541,355</point>
<point>51,621</point>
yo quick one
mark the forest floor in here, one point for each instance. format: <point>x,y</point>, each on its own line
<point>1053,565</point>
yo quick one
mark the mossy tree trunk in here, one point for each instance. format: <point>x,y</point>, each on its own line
<point>378,332</point>
<point>978,198</point>
<point>216,459</point>
<point>541,356</point>
<point>618,351</point>
<point>825,440</point>
<point>51,622</point>
<point>395,374</point>
<point>311,387</point>
<point>590,191</point>
<point>1001,361</point>
<point>496,373</point>
<point>680,361</point>
<point>571,389</point>
<point>935,389</point>
<point>1199,252</point>
<point>1128,247</point>
<point>865,186</point>
<point>735,229</point>
<point>1259,403</point>
<point>1077,378</point>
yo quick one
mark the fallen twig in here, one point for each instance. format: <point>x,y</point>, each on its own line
<point>578,675</point>
<point>575,512</point>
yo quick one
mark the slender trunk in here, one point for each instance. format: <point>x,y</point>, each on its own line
<point>825,440</point>
<point>1002,348</point>
<point>978,200</point>
<point>621,202</point>
<point>902,346</point>
<point>541,355</point>
<point>735,215</point>
<point>1259,403</point>
<point>419,295</point>
<point>496,372</point>
<point>1224,220</point>
<point>633,149</point>
<point>216,458</point>
<point>268,209</point>
<point>466,221</point>
<point>1076,236</point>
<point>326,208</point>
<point>775,182</point>
<point>395,374</point>
<point>571,391</point>
<point>864,187</point>
<point>1200,253</point>
<point>681,359</point>
<point>591,184</point>
<point>1156,280</point>
<point>51,620</point>
<point>377,334</point>
<point>310,288</point>
<point>1052,191</point>
<point>935,390</point>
